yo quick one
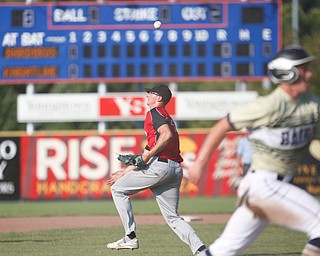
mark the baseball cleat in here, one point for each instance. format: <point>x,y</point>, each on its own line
<point>124,243</point>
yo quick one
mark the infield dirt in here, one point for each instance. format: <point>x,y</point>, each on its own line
<point>61,222</point>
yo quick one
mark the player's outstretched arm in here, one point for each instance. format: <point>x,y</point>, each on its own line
<point>211,142</point>
<point>118,174</point>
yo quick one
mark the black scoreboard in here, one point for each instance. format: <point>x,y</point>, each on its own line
<point>116,42</point>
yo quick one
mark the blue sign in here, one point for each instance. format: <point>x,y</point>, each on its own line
<point>115,42</point>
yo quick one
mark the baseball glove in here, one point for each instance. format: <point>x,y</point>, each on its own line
<point>131,160</point>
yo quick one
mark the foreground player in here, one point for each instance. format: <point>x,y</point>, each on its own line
<point>281,126</point>
<point>162,174</point>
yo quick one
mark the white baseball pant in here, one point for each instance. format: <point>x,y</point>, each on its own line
<point>266,199</point>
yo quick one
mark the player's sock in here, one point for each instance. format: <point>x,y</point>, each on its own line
<point>132,235</point>
<point>202,248</point>
<point>207,253</point>
<point>315,242</point>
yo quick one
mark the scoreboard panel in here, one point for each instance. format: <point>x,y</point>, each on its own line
<point>116,42</point>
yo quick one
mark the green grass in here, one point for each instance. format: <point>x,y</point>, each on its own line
<point>154,239</point>
<point>106,207</point>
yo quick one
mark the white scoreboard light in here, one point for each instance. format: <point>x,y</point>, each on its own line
<point>116,42</point>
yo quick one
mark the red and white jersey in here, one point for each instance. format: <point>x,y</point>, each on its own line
<point>154,119</point>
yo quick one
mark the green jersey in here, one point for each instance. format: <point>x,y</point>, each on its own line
<point>280,129</point>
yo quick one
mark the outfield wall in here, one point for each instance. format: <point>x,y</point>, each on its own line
<point>76,165</point>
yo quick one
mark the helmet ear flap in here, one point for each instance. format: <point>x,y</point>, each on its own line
<point>295,75</point>
<point>284,76</point>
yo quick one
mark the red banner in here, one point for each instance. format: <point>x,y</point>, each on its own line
<point>67,167</point>
<point>122,106</point>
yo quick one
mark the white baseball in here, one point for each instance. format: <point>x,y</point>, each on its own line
<point>157,24</point>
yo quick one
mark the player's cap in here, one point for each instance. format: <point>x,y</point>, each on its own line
<point>282,68</point>
<point>163,91</point>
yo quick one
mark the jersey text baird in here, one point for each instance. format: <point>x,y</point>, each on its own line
<point>297,137</point>
<point>284,138</point>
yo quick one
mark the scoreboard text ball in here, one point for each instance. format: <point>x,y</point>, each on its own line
<point>115,42</point>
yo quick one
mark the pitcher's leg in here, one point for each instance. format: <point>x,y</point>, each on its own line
<point>168,203</point>
<point>129,184</point>
<point>123,205</point>
<point>167,196</point>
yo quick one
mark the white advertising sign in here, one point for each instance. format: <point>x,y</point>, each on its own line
<point>63,107</point>
<point>209,105</point>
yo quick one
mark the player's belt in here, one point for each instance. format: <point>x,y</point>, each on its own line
<point>274,175</point>
<point>164,160</point>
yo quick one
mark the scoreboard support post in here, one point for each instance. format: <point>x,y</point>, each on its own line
<point>102,89</point>
<point>30,126</point>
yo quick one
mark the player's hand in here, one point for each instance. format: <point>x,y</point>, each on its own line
<point>114,177</point>
<point>145,158</point>
<point>195,172</point>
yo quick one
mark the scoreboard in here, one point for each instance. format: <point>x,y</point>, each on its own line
<point>115,41</point>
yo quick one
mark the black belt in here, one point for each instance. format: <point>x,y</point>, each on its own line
<point>164,160</point>
<point>286,178</point>
<point>280,177</point>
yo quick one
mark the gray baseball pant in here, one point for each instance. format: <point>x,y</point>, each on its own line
<point>164,180</point>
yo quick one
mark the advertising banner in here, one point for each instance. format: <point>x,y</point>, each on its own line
<point>308,177</point>
<point>126,106</point>
<point>210,105</point>
<point>81,107</point>
<point>9,168</point>
<point>77,167</point>
<point>62,107</point>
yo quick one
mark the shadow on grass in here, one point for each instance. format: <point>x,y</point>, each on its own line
<point>272,254</point>
<point>25,241</point>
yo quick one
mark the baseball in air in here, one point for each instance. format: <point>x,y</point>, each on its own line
<point>157,24</point>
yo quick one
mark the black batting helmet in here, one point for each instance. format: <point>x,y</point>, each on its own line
<point>282,69</point>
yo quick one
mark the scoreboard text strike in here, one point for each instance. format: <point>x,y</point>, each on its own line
<point>116,42</point>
